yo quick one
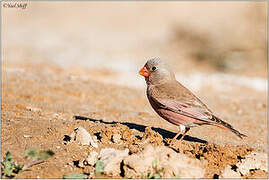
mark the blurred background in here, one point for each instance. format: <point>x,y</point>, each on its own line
<point>112,40</point>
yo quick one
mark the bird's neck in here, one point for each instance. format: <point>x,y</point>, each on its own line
<point>157,83</point>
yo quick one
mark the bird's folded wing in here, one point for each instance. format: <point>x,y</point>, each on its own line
<point>191,109</point>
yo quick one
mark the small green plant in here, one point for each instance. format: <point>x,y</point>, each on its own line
<point>146,176</point>
<point>99,167</point>
<point>156,171</point>
<point>156,174</point>
<point>9,167</point>
<point>155,163</point>
<point>75,176</point>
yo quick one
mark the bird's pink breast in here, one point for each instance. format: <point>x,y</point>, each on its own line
<point>175,118</point>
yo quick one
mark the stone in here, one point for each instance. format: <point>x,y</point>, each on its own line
<point>55,115</point>
<point>116,138</point>
<point>255,161</point>
<point>27,136</point>
<point>163,161</point>
<point>81,164</point>
<point>92,158</point>
<point>81,136</point>
<point>95,139</point>
<point>33,109</point>
<point>228,172</point>
<point>112,159</point>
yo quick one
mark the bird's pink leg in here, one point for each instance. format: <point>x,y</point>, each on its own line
<point>179,132</point>
<point>184,133</point>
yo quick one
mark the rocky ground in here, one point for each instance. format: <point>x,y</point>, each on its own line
<point>102,129</point>
<point>70,84</point>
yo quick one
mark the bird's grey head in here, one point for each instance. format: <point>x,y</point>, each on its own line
<point>156,72</point>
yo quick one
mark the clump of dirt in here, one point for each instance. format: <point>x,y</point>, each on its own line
<point>152,137</point>
<point>214,157</point>
<point>149,137</point>
<point>126,134</point>
<point>106,135</point>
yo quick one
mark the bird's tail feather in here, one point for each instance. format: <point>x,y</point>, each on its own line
<point>226,126</point>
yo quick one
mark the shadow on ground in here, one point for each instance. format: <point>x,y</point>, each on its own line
<point>164,133</point>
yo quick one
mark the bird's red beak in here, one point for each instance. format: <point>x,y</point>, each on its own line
<point>144,72</point>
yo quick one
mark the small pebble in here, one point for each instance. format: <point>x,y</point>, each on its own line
<point>81,164</point>
<point>33,109</point>
<point>82,136</point>
<point>95,139</point>
<point>116,138</point>
<point>27,136</point>
<point>55,115</point>
<point>92,158</point>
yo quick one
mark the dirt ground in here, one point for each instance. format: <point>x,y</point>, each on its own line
<point>78,66</point>
<point>41,103</point>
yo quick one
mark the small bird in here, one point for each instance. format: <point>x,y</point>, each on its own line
<point>175,103</point>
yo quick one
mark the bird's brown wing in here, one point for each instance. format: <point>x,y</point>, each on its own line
<point>176,98</point>
<point>201,115</point>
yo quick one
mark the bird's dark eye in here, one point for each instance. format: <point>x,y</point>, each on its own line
<point>153,68</point>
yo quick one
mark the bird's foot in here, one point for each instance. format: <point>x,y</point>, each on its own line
<point>172,142</point>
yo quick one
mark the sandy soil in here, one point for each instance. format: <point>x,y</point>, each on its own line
<point>65,101</point>
<point>78,66</point>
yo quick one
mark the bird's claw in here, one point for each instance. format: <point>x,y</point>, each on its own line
<point>171,142</point>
